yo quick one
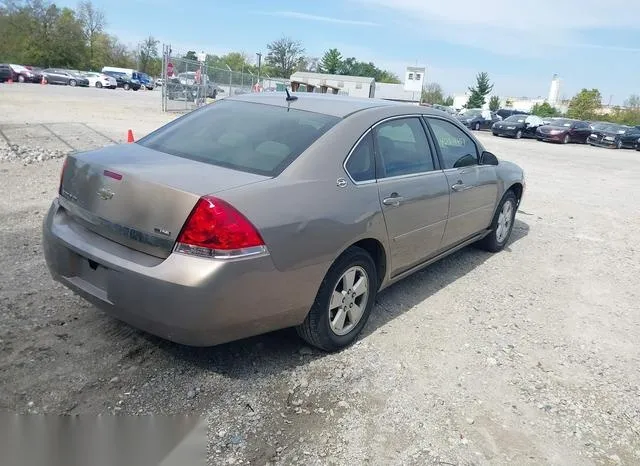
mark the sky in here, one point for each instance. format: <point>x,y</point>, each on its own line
<point>588,43</point>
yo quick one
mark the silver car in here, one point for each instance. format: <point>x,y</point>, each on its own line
<point>266,211</point>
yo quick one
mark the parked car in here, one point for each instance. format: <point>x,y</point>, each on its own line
<point>450,110</point>
<point>186,86</point>
<point>6,73</point>
<point>146,81</point>
<point>505,113</point>
<point>564,130</point>
<point>37,73</point>
<point>67,77</point>
<point>159,82</point>
<point>301,201</point>
<point>517,126</point>
<point>615,136</point>
<point>123,80</point>
<point>22,74</point>
<point>100,80</point>
<point>477,118</point>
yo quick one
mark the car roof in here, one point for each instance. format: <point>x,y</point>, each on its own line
<point>329,104</point>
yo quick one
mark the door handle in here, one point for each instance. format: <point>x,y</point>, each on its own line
<point>459,186</point>
<point>393,200</point>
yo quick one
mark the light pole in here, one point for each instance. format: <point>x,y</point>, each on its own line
<point>259,55</point>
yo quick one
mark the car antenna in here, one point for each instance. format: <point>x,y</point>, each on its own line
<point>290,98</point>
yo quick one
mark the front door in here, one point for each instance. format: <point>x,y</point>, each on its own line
<point>413,191</point>
<point>474,187</point>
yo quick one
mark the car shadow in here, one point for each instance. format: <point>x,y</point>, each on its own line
<point>283,350</point>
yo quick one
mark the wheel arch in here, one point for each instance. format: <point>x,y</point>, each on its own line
<point>376,250</point>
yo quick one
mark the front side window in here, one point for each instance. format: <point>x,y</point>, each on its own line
<point>456,148</point>
<point>257,138</point>
<point>403,147</point>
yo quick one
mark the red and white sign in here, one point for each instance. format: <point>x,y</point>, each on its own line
<point>169,69</point>
<point>198,75</point>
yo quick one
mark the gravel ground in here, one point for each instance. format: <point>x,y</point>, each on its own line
<point>528,356</point>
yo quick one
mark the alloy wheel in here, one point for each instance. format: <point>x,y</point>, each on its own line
<point>504,221</point>
<point>348,300</point>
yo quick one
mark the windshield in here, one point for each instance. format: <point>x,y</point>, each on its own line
<point>561,122</point>
<point>257,138</point>
<point>516,118</point>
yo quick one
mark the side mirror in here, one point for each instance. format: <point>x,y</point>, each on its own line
<point>487,158</point>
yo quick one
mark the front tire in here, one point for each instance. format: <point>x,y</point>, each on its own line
<point>476,126</point>
<point>619,144</point>
<point>518,134</point>
<point>343,303</point>
<point>21,78</point>
<point>72,83</point>
<point>502,224</point>
<point>566,139</point>
<point>98,84</point>
<point>126,86</point>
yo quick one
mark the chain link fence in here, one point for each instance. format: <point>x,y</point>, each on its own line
<point>189,84</point>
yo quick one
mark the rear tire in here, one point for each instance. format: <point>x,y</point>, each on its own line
<point>566,139</point>
<point>502,224</point>
<point>321,328</point>
<point>476,126</point>
<point>619,144</point>
<point>126,86</point>
<point>518,134</point>
<point>98,84</point>
<point>21,78</point>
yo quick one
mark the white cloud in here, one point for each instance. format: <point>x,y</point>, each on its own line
<point>309,17</point>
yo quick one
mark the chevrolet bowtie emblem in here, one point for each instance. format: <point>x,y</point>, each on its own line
<point>105,193</point>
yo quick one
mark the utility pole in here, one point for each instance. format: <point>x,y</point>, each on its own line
<point>259,55</point>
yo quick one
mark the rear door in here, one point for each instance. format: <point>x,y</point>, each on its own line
<point>413,191</point>
<point>473,187</point>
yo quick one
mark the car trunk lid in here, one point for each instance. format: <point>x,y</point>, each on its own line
<point>140,197</point>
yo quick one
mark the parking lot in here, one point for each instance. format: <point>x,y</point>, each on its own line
<point>529,356</point>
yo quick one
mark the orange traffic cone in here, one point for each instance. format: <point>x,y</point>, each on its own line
<point>10,81</point>
<point>130,136</point>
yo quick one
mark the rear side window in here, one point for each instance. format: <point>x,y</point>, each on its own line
<point>361,165</point>
<point>245,136</point>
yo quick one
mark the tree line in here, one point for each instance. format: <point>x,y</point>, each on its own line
<point>40,33</point>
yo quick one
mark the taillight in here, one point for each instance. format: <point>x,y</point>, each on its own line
<point>216,229</point>
<point>64,165</point>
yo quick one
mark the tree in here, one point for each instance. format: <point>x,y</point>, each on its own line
<point>433,94</point>
<point>633,102</point>
<point>480,91</point>
<point>284,56</point>
<point>331,62</point>
<point>353,67</point>
<point>544,110</point>
<point>448,101</point>
<point>148,55</point>
<point>585,104</point>
<point>93,22</point>
<point>191,55</point>
<point>494,103</point>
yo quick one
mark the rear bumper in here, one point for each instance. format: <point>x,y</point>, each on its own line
<point>188,300</point>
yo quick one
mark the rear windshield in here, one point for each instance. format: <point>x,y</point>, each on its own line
<point>256,138</point>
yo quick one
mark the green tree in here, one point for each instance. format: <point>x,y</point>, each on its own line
<point>148,56</point>
<point>331,62</point>
<point>352,67</point>
<point>585,104</point>
<point>482,88</point>
<point>284,56</point>
<point>191,55</point>
<point>448,101</point>
<point>433,94</point>
<point>93,22</point>
<point>544,110</point>
<point>494,103</point>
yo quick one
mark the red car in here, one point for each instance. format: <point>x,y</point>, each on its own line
<point>564,130</point>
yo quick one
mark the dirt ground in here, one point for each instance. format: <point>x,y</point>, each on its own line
<point>529,356</point>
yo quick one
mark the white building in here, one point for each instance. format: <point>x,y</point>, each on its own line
<point>554,91</point>
<point>355,86</point>
<point>397,93</point>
